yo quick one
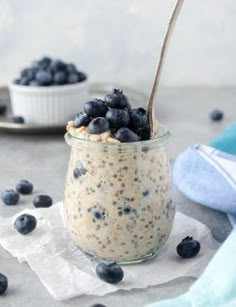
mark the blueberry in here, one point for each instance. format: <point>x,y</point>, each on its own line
<point>126,135</point>
<point>78,172</point>
<point>57,65</point>
<point>145,193</point>
<point>24,187</point>
<point>188,247</point>
<point>18,120</point>
<point>24,81</point>
<point>81,76</point>
<point>34,83</point>
<point>46,59</point>
<point>71,68</point>
<point>110,272</point>
<point>126,210</point>
<point>143,132</point>
<point>44,78</point>
<point>28,73</point>
<point>98,305</point>
<point>95,108</point>
<point>81,119</point>
<point>72,78</point>
<point>98,125</point>
<point>117,118</point>
<point>10,197</point>
<point>23,73</point>
<point>116,99</point>
<point>42,201</point>
<point>3,283</point>
<point>59,78</point>
<point>216,115</point>
<point>128,108</point>
<point>138,118</point>
<point>99,214</point>
<point>16,81</point>
<point>44,62</point>
<point>25,223</point>
<point>3,108</point>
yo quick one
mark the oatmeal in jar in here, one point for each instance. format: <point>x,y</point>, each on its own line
<point>118,203</point>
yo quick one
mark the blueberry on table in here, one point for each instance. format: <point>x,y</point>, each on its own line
<point>126,135</point>
<point>24,187</point>
<point>118,118</point>
<point>42,201</point>
<point>3,283</point>
<point>216,115</point>
<point>18,120</point>
<point>95,108</point>
<point>59,78</point>
<point>188,247</point>
<point>10,197</point>
<point>81,119</point>
<point>25,223</point>
<point>3,108</point>
<point>116,99</point>
<point>98,125</point>
<point>109,272</point>
<point>44,78</point>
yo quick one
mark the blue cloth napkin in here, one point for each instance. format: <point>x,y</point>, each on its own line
<point>207,175</point>
<point>226,141</point>
<point>216,286</point>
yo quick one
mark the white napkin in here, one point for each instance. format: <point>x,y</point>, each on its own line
<point>66,272</point>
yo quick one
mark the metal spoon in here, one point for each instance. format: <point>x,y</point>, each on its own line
<point>153,122</point>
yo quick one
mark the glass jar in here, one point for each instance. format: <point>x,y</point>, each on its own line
<point>118,202</point>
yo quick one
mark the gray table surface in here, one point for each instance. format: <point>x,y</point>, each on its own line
<point>43,160</point>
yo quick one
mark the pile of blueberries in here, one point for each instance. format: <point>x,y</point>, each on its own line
<point>48,72</point>
<point>114,113</point>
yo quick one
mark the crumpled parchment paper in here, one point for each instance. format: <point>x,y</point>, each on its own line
<point>66,272</point>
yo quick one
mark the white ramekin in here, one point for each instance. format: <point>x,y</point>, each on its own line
<point>51,105</point>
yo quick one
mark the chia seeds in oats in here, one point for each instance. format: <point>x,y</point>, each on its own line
<point>120,199</point>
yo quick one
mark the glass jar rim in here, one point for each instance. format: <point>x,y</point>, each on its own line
<point>161,139</point>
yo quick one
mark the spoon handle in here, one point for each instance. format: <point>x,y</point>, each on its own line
<point>153,122</point>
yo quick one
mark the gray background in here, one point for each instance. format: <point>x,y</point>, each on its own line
<point>120,40</point>
<point>117,41</point>
<point>43,160</point>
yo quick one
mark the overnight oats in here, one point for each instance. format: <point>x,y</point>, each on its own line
<point>118,202</point>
